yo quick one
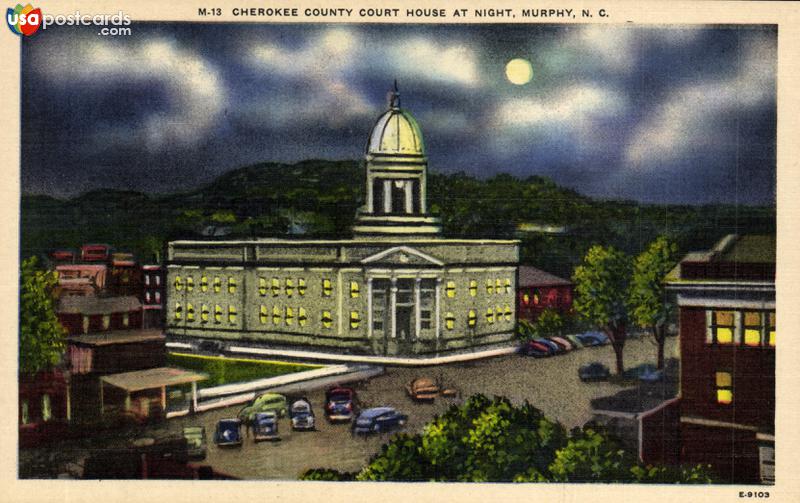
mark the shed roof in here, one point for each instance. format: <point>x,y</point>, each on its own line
<point>152,378</point>
<point>117,337</point>
<point>531,276</point>
<point>98,305</point>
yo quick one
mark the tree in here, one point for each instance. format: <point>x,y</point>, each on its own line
<point>41,336</point>
<point>650,308</point>
<point>601,294</point>
<point>591,456</point>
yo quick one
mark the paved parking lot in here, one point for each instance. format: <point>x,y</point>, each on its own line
<point>551,384</point>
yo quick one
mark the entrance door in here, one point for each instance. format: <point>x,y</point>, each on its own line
<point>405,317</point>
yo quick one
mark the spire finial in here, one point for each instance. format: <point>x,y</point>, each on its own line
<point>394,97</point>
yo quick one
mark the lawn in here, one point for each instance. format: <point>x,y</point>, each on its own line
<point>232,370</point>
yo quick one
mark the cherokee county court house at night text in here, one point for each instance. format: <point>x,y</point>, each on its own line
<point>396,288</point>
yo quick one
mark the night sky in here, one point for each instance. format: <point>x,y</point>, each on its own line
<point>671,114</point>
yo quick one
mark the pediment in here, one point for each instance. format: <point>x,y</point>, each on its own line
<point>402,255</point>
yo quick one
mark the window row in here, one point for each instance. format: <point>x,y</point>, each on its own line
<point>493,286</point>
<point>741,328</point>
<point>46,410</point>
<point>216,285</point>
<point>154,279</point>
<point>498,314</point>
<point>219,313</point>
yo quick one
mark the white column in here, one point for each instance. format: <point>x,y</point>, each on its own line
<point>417,307</point>
<point>408,185</point>
<point>370,202</point>
<point>369,308</point>
<point>437,325</point>
<point>387,196</point>
<point>194,396</point>
<point>393,307</point>
<point>423,204</point>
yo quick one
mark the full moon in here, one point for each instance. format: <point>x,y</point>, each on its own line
<point>519,71</point>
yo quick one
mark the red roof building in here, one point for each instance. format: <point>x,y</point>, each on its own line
<point>538,290</point>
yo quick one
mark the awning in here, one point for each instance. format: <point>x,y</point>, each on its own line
<point>152,378</point>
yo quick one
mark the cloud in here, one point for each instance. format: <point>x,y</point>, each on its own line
<point>689,118</point>
<point>423,58</point>
<point>196,91</point>
<point>570,106</point>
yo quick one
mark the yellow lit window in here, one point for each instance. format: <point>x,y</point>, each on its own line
<point>489,286</point>
<point>204,283</point>
<point>204,313</point>
<point>276,315</point>
<point>217,314</point>
<point>189,312</point>
<point>263,315</point>
<point>302,317</point>
<point>498,286</point>
<point>753,325</point>
<point>526,299</point>
<point>289,315</point>
<point>472,318</point>
<point>231,314</point>
<point>355,320</point>
<point>47,410</point>
<point>473,288</point>
<point>771,329</point>
<point>178,283</point>
<point>449,321</point>
<point>354,291</point>
<point>189,284</point>
<point>289,287</point>
<point>451,289</point>
<point>178,311</point>
<point>507,312</point>
<point>490,316</point>
<point>262,287</point>
<point>723,325</point>
<point>507,285</point>
<point>275,287</point>
<point>217,284</point>
<point>724,383</point>
<point>231,284</point>
<point>327,320</point>
<point>301,286</point>
<point>327,288</point>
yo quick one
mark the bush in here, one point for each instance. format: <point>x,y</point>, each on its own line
<point>327,474</point>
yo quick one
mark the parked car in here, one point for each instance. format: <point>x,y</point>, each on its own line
<point>195,441</point>
<point>534,349</point>
<point>552,346</point>
<point>562,343</point>
<point>268,402</point>
<point>595,371</point>
<point>340,403</point>
<point>302,415</point>
<point>593,338</point>
<point>644,373</point>
<point>576,343</point>
<point>422,389</point>
<point>265,426</point>
<point>228,433</point>
<point>378,420</point>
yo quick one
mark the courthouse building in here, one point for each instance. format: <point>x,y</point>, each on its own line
<point>396,287</point>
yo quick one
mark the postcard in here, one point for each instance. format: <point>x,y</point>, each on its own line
<point>433,251</point>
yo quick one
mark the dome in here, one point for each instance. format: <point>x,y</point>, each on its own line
<point>396,132</point>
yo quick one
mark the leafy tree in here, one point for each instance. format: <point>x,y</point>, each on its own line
<point>591,456</point>
<point>650,308</point>
<point>41,336</point>
<point>601,288</point>
<point>698,474</point>
<point>549,323</point>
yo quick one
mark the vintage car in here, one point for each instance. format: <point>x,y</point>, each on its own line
<point>195,441</point>
<point>562,343</point>
<point>422,389</point>
<point>268,402</point>
<point>594,371</point>
<point>228,433</point>
<point>302,415</point>
<point>576,343</point>
<point>340,403</point>
<point>265,426</point>
<point>593,338</point>
<point>378,420</point>
<point>554,348</point>
<point>645,373</point>
<point>534,349</point>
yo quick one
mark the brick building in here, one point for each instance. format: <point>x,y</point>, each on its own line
<point>538,290</point>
